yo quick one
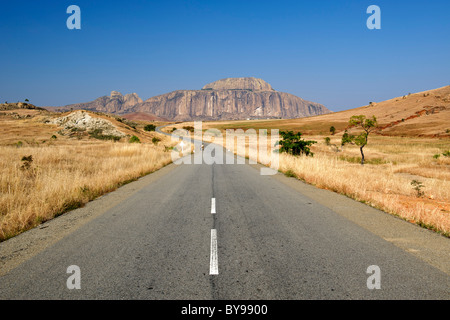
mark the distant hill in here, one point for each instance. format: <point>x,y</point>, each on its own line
<point>425,114</point>
<point>18,105</point>
<point>114,103</point>
<point>226,99</point>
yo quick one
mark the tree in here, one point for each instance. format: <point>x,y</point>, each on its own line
<point>26,100</point>
<point>332,130</point>
<point>367,125</point>
<point>293,144</point>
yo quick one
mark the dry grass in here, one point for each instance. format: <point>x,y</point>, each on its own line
<point>64,177</point>
<point>385,180</point>
<point>65,172</point>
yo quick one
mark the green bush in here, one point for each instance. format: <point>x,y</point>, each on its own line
<point>155,140</point>
<point>293,144</point>
<point>134,139</point>
<point>150,127</point>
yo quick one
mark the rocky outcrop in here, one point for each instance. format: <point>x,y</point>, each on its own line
<point>226,99</point>
<point>185,105</point>
<point>83,121</point>
<point>231,99</point>
<point>115,103</point>
<point>251,84</point>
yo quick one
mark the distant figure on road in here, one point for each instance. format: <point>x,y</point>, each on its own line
<point>203,147</point>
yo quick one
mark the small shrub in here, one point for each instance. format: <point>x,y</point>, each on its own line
<point>98,134</point>
<point>290,173</point>
<point>189,128</point>
<point>446,153</point>
<point>26,162</point>
<point>417,185</point>
<point>155,140</point>
<point>134,139</point>
<point>131,124</point>
<point>150,127</point>
<point>19,144</point>
<point>327,140</point>
<point>436,156</point>
<point>54,137</point>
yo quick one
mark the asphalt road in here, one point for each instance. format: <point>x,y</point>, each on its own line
<point>258,239</point>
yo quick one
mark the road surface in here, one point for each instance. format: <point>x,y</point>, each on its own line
<point>223,231</point>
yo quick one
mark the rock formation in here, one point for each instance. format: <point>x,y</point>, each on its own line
<point>226,99</point>
<point>115,103</point>
<point>83,121</point>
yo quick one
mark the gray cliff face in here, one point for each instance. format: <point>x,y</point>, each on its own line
<point>115,103</point>
<point>226,99</point>
<point>230,105</point>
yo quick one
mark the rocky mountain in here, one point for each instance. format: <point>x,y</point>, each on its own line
<point>239,83</point>
<point>115,103</point>
<point>226,99</point>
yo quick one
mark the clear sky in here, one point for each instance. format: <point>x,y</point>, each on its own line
<point>318,50</point>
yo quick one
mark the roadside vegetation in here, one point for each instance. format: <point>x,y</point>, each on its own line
<point>400,175</point>
<point>44,174</point>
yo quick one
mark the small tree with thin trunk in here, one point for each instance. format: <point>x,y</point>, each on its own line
<point>332,130</point>
<point>367,125</point>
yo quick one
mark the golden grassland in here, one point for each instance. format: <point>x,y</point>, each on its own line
<point>384,182</point>
<point>65,173</point>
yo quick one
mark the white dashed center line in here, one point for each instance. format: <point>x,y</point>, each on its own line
<point>213,205</point>
<point>214,263</point>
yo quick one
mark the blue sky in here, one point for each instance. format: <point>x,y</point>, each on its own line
<point>318,50</point>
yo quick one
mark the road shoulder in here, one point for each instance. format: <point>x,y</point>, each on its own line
<point>24,246</point>
<point>425,244</point>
